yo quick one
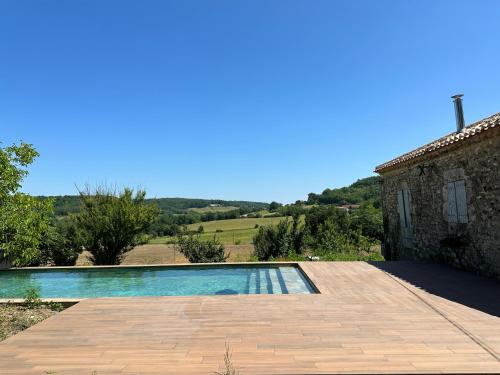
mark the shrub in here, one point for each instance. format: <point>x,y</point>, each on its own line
<point>348,257</point>
<point>368,220</point>
<point>32,299</point>
<point>198,251</point>
<point>200,229</point>
<point>287,238</point>
<point>272,242</point>
<point>273,214</point>
<point>219,231</point>
<point>143,239</point>
<point>112,223</point>
<point>256,226</point>
<point>333,239</point>
<point>273,206</point>
<point>61,243</point>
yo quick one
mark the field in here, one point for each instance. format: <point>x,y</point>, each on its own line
<point>167,254</point>
<point>234,231</point>
<point>205,210</point>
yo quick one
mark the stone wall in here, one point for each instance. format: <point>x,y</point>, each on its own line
<point>473,246</point>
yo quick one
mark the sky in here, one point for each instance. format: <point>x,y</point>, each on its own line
<point>245,100</point>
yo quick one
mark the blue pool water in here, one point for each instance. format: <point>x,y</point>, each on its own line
<point>153,281</point>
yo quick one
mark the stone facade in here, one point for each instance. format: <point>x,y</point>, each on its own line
<point>471,244</point>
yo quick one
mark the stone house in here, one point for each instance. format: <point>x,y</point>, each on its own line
<point>442,201</point>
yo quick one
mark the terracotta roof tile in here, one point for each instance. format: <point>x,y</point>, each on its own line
<point>453,138</point>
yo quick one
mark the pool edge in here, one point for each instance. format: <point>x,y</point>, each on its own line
<point>71,301</point>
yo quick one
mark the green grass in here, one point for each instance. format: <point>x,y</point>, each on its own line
<point>233,231</point>
<point>235,224</point>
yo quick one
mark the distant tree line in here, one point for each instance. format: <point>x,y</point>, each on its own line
<point>70,204</point>
<point>174,213</point>
<point>363,190</point>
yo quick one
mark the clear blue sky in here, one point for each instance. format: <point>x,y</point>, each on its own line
<point>256,100</point>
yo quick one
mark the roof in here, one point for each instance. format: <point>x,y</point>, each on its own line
<point>444,142</point>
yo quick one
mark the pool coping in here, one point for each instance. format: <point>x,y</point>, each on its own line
<point>72,301</point>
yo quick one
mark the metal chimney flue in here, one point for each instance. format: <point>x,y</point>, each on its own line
<point>459,112</point>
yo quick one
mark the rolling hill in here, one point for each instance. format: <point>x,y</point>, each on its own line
<point>67,204</point>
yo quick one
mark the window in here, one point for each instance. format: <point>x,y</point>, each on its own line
<point>404,205</point>
<point>457,202</point>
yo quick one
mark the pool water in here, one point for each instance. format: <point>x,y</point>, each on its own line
<point>153,281</point>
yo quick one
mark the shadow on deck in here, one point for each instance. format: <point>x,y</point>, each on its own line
<point>468,289</point>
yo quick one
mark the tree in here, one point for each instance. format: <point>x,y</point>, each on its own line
<point>298,234</point>
<point>273,206</point>
<point>61,243</point>
<point>272,242</point>
<point>111,223</point>
<point>320,214</point>
<point>198,251</point>
<point>23,219</point>
<point>331,233</point>
<point>368,220</point>
<point>364,190</point>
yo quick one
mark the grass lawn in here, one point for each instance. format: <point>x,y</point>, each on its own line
<point>233,231</point>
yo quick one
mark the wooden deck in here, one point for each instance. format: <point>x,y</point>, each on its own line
<point>367,319</point>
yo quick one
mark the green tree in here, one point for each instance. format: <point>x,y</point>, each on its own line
<point>61,242</point>
<point>273,206</point>
<point>364,190</point>
<point>198,251</point>
<point>279,241</point>
<point>111,223</point>
<point>316,216</point>
<point>23,219</point>
<point>368,220</point>
<point>330,238</point>
<point>332,235</point>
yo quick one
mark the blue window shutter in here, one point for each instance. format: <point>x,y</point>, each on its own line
<point>461,199</point>
<point>452,203</point>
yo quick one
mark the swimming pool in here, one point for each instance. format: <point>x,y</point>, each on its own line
<point>154,281</point>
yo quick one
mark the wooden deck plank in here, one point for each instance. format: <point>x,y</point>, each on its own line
<point>364,321</point>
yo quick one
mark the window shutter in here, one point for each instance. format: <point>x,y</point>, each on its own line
<point>407,202</point>
<point>461,200</point>
<point>452,203</point>
<point>401,209</point>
